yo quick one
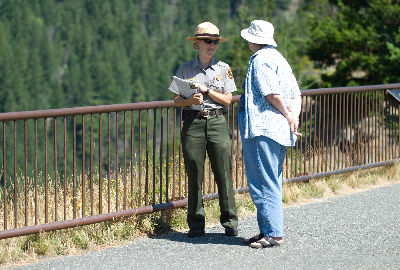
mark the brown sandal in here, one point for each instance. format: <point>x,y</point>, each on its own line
<point>253,239</point>
<point>270,242</point>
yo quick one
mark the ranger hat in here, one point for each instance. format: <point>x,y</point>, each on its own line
<point>206,30</point>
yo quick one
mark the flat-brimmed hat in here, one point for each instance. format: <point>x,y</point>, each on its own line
<point>259,32</point>
<point>206,30</point>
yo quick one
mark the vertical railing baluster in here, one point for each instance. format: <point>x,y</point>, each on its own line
<point>100,163</point>
<point>74,168</point>
<point>15,178</point>
<point>384,132</point>
<point>36,173</point>
<point>314,134</point>
<point>167,161</point>
<point>237,153</point>
<point>173,159</point>
<point>324,142</point>
<point>140,158</point>
<point>26,170</point>
<point>376,148</point>
<point>328,130</point>
<point>132,153</point>
<point>300,140</point>
<point>393,135</point>
<point>154,155</point>
<point>360,128</point>
<point>146,187</point>
<point>336,144</point>
<point>109,162</point>
<point>351,129</point>
<point>347,139</point>
<point>342,126</point>
<point>83,197</point>
<point>332,133</point>
<point>46,180</point>
<point>5,177</point>
<point>161,152</point>
<point>384,152</point>
<point>365,126</point>
<point>91,165</point>
<point>180,156</point>
<point>55,172</point>
<point>357,127</point>
<point>380,133</point>
<point>65,168</point>
<point>116,165</point>
<point>124,175</point>
<point>305,135</point>
<point>390,154</point>
<point>320,138</point>
<point>368,115</point>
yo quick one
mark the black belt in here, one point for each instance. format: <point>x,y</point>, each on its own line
<point>193,113</point>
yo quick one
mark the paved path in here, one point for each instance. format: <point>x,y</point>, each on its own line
<point>356,231</point>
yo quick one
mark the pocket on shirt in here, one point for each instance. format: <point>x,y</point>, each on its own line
<point>217,86</point>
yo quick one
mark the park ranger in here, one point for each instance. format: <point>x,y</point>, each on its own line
<point>206,129</point>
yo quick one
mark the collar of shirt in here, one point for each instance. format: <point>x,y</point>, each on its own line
<point>261,51</point>
<point>196,63</point>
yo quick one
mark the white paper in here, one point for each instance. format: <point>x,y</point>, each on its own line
<point>186,89</point>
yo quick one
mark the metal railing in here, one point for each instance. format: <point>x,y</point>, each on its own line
<point>69,167</point>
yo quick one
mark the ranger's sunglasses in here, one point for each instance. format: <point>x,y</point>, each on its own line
<point>209,41</point>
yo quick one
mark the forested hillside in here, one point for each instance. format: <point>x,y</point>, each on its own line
<point>69,53</point>
<point>56,54</point>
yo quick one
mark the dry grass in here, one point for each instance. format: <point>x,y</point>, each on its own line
<point>298,193</point>
<point>27,249</point>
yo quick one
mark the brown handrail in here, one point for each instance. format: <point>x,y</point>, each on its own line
<point>344,129</point>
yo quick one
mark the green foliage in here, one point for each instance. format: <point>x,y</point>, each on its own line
<point>360,40</point>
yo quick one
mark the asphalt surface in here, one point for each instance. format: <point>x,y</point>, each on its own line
<point>355,231</point>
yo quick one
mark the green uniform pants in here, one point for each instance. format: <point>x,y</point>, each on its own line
<point>198,136</point>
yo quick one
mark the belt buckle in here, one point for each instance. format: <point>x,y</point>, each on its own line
<point>204,114</point>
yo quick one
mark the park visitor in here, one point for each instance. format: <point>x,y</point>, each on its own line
<point>268,114</point>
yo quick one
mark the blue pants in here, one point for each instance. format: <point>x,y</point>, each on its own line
<point>263,159</point>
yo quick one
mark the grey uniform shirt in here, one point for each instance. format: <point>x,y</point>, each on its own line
<point>217,76</point>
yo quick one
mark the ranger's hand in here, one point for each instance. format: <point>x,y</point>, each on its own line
<point>196,99</point>
<point>202,88</point>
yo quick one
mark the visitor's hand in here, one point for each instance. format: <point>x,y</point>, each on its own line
<point>293,123</point>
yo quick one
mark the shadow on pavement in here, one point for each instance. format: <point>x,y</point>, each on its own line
<point>208,238</point>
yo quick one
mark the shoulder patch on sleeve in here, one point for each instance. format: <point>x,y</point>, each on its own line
<point>229,73</point>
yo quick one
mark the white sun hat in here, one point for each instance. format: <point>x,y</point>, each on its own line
<point>259,32</point>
